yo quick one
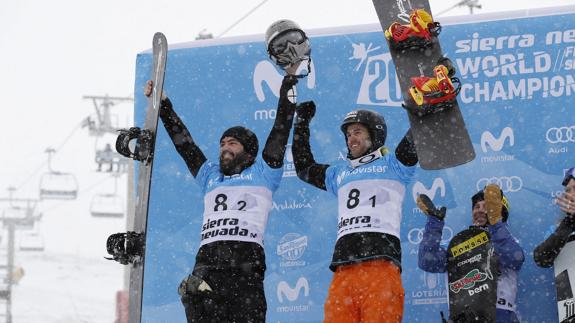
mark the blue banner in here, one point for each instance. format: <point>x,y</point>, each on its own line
<point>517,101</point>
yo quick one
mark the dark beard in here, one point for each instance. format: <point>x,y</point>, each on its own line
<point>240,162</point>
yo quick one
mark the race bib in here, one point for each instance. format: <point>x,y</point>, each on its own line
<point>370,206</point>
<point>238,213</point>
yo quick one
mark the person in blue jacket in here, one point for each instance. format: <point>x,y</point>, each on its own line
<point>433,258</point>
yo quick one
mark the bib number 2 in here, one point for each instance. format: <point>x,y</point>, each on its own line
<point>221,205</point>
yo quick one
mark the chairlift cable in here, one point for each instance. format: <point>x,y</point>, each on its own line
<point>242,18</point>
<point>42,164</point>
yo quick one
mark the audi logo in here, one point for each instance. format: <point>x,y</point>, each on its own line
<point>415,235</point>
<point>560,135</point>
<point>506,183</point>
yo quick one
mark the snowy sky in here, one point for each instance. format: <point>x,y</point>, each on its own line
<point>54,52</point>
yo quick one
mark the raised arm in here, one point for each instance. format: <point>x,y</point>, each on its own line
<point>507,247</point>
<point>178,132</point>
<point>405,151</point>
<point>307,169</point>
<point>185,145</point>
<point>545,253</point>
<point>431,256</point>
<point>274,150</point>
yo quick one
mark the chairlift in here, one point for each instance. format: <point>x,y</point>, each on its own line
<point>33,241</point>
<point>14,213</point>
<point>107,157</point>
<point>107,205</point>
<point>58,186</point>
<point>21,217</point>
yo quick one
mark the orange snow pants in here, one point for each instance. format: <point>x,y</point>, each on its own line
<point>366,292</point>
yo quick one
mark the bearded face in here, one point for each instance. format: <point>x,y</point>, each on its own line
<point>233,158</point>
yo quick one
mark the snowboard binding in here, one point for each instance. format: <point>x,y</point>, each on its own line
<point>126,247</point>
<point>417,35</point>
<point>143,149</point>
<point>434,94</point>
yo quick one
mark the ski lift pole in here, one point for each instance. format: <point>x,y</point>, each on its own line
<point>50,151</point>
<point>10,269</point>
<point>11,190</point>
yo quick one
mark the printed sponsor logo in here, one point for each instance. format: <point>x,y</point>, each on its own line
<point>235,177</point>
<point>433,291</point>
<point>404,12</point>
<point>379,85</point>
<point>354,221</point>
<point>476,258</point>
<point>289,166</point>
<point>419,188</point>
<point>476,44</point>
<point>469,244</point>
<point>560,135</point>
<point>286,293</point>
<point>292,294</point>
<point>468,281</point>
<point>265,73</point>
<point>291,248</point>
<point>506,183</point>
<point>496,144</point>
<point>225,227</point>
<point>290,205</point>
<point>361,170</point>
<point>415,235</point>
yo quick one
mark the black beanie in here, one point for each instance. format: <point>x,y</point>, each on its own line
<point>246,137</point>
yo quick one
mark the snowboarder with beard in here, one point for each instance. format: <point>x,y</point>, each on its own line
<point>226,284</point>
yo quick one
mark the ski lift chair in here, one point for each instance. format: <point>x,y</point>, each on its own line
<point>31,242</point>
<point>58,186</point>
<point>107,205</point>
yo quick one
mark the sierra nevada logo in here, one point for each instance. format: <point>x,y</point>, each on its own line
<point>468,281</point>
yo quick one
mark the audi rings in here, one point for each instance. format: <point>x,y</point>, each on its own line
<point>415,235</point>
<point>506,183</point>
<point>560,135</point>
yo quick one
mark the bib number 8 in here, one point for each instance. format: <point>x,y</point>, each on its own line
<point>353,199</point>
<point>221,204</point>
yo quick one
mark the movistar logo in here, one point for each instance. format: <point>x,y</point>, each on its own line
<point>361,170</point>
<point>496,144</point>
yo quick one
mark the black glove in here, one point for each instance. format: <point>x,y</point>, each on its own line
<point>192,285</point>
<point>288,82</point>
<point>426,205</point>
<point>569,221</point>
<point>305,111</point>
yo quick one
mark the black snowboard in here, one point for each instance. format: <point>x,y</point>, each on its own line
<point>472,269</point>
<point>564,267</point>
<point>441,139</point>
